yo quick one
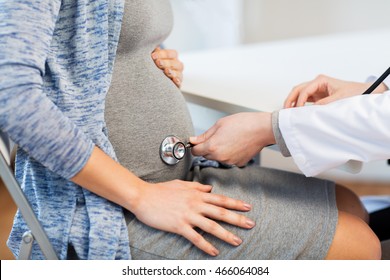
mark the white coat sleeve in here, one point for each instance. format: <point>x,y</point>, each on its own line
<point>321,137</point>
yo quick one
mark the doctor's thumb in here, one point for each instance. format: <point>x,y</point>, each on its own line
<point>196,140</point>
<point>200,145</point>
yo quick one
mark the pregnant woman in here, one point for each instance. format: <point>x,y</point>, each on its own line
<point>295,217</point>
<point>56,68</point>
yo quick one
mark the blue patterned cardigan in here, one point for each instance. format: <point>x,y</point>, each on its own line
<point>56,60</point>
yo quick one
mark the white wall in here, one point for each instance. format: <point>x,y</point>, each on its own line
<point>204,24</point>
<point>265,20</point>
<point>201,24</point>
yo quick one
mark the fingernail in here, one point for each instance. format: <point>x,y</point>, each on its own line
<point>177,81</point>
<point>247,206</point>
<point>192,139</point>
<point>169,72</point>
<point>250,223</point>
<point>215,252</point>
<point>154,56</point>
<point>161,63</point>
<point>237,240</point>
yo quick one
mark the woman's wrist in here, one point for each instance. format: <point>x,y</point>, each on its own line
<point>105,177</point>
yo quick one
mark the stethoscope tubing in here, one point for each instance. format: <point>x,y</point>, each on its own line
<point>378,82</point>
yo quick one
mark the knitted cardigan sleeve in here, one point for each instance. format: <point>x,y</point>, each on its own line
<point>27,115</point>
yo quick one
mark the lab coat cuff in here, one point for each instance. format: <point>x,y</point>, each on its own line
<point>278,135</point>
<point>372,79</point>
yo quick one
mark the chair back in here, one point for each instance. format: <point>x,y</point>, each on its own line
<point>36,231</point>
<point>5,147</point>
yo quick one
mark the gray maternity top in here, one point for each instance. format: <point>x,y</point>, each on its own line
<point>144,106</point>
<point>295,216</point>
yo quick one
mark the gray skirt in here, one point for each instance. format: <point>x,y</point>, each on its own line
<point>295,217</point>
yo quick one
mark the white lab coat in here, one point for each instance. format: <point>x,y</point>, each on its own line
<point>351,130</point>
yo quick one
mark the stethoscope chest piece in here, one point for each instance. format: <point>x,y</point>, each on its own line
<point>172,150</point>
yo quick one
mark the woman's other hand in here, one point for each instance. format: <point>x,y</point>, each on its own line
<point>324,89</point>
<point>168,61</point>
<point>180,207</point>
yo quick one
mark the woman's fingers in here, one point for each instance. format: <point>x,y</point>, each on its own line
<point>164,54</point>
<point>227,202</point>
<point>176,76</point>
<point>173,64</point>
<point>212,228</point>
<point>191,206</point>
<point>201,187</point>
<point>167,60</point>
<point>224,215</point>
<point>217,230</point>
<point>198,240</point>
<point>215,207</point>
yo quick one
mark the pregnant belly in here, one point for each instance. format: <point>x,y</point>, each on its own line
<point>140,113</point>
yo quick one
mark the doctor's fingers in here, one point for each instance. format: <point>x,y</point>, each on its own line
<point>327,100</point>
<point>196,140</point>
<point>293,95</point>
<point>204,149</point>
<point>308,92</point>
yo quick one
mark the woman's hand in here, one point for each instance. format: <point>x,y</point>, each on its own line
<point>167,60</point>
<point>180,206</point>
<point>175,206</point>
<point>324,89</point>
<point>235,139</point>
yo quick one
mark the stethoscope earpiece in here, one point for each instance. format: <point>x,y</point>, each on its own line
<point>173,150</point>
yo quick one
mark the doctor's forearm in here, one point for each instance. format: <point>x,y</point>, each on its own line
<point>323,137</point>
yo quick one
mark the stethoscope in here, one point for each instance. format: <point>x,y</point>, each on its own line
<point>173,150</point>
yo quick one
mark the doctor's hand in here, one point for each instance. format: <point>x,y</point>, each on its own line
<point>235,139</point>
<point>324,89</point>
<point>180,207</point>
<point>168,61</point>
